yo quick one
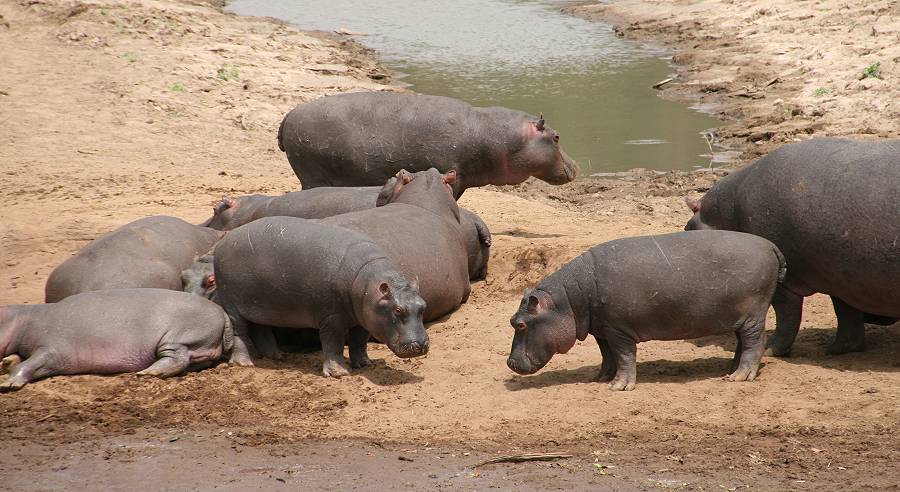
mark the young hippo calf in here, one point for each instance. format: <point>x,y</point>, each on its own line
<point>319,203</point>
<point>831,205</point>
<point>364,138</point>
<point>153,331</point>
<point>668,287</point>
<point>147,253</point>
<point>296,273</point>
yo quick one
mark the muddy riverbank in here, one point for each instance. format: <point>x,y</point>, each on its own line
<point>115,110</point>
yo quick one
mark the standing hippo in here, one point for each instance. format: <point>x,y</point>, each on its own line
<point>296,273</point>
<point>324,202</point>
<point>668,287</point>
<point>147,253</point>
<point>417,223</point>
<point>365,138</point>
<point>831,206</point>
<point>153,331</point>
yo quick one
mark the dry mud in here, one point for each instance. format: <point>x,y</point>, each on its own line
<point>115,110</point>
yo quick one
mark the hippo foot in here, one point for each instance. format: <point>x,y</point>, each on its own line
<point>779,348</point>
<point>240,360</point>
<point>743,373</point>
<point>335,369</point>
<point>622,383</point>
<point>361,362</point>
<point>7,363</point>
<point>845,346</point>
<point>12,384</point>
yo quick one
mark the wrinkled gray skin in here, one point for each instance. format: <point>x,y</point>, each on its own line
<point>153,332</point>
<point>364,138</point>
<point>667,287</point>
<point>324,202</point>
<point>417,223</point>
<point>296,273</point>
<point>147,253</point>
<point>832,207</point>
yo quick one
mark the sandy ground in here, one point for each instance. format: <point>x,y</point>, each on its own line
<point>113,110</point>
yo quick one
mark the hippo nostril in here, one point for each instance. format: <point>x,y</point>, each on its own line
<point>412,349</point>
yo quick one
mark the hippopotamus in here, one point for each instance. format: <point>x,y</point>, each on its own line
<point>297,273</point>
<point>153,332</point>
<point>328,201</point>
<point>147,253</point>
<point>417,223</point>
<point>364,138</point>
<point>831,206</point>
<point>666,287</point>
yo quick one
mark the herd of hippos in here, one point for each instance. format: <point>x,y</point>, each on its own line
<point>375,245</point>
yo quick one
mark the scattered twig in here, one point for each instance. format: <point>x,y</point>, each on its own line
<point>89,152</point>
<point>519,458</point>
<point>45,417</point>
<point>661,83</point>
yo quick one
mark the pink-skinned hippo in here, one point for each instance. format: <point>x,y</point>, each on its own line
<point>153,332</point>
<point>147,253</point>
<point>319,203</point>
<point>831,206</point>
<point>364,138</point>
<point>296,273</point>
<point>667,287</point>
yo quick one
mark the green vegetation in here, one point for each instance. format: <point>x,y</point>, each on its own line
<point>872,71</point>
<point>227,73</point>
<point>821,91</point>
<point>130,57</point>
<point>176,87</point>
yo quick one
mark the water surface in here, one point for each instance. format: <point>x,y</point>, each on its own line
<point>592,87</point>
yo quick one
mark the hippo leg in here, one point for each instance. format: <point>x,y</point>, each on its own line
<point>35,367</point>
<point>788,313</point>
<point>608,364</point>
<point>7,363</point>
<point>332,338</point>
<point>359,344</point>
<point>624,350</point>
<point>173,360</point>
<point>240,352</point>
<point>851,330</point>
<point>751,345</point>
<point>264,341</point>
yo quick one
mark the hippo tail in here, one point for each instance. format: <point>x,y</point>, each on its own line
<point>782,264</point>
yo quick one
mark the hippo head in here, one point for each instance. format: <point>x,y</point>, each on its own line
<point>540,155</point>
<point>392,312</point>
<point>427,189</point>
<point>696,223</point>
<point>233,212</point>
<point>199,278</point>
<point>543,327</point>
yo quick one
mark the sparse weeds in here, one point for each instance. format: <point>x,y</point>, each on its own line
<point>176,87</point>
<point>130,57</point>
<point>873,71</point>
<point>821,91</point>
<point>227,73</point>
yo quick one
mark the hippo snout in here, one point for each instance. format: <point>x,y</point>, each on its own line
<point>519,367</point>
<point>415,348</point>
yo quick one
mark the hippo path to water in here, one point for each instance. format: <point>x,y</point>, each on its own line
<point>593,87</point>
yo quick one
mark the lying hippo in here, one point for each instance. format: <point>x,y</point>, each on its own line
<point>341,284</point>
<point>153,331</point>
<point>364,138</point>
<point>668,287</point>
<point>418,226</point>
<point>147,253</point>
<point>324,202</point>
<point>832,207</point>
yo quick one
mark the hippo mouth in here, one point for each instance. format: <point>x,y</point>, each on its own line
<point>523,366</point>
<point>567,173</point>
<point>406,350</point>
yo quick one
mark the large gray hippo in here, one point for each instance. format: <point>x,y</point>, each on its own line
<point>667,287</point>
<point>296,273</point>
<point>147,253</point>
<point>149,331</point>
<point>364,138</point>
<point>833,208</point>
<point>328,201</point>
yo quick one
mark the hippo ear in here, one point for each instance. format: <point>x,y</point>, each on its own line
<point>540,123</point>
<point>450,177</point>
<point>415,283</point>
<point>210,281</point>
<point>384,289</point>
<point>404,176</point>
<point>692,204</point>
<point>534,304</point>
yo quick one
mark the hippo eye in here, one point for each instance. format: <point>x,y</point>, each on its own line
<point>556,138</point>
<point>398,310</point>
<point>520,326</point>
